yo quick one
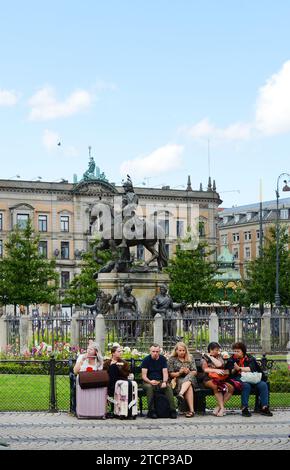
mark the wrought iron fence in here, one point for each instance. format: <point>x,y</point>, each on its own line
<point>52,328</point>
<point>132,332</point>
<point>13,332</point>
<point>190,326</point>
<point>280,330</point>
<point>86,328</point>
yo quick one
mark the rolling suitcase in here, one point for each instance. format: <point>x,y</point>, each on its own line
<point>91,403</point>
<point>126,399</point>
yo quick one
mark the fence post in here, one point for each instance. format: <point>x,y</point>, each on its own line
<point>75,331</point>
<point>25,333</point>
<point>283,330</point>
<point>3,334</point>
<point>239,326</point>
<point>100,331</point>
<point>158,330</point>
<point>266,331</point>
<point>52,390</point>
<point>72,381</point>
<point>213,327</point>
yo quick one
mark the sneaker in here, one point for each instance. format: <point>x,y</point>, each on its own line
<point>173,415</point>
<point>266,411</point>
<point>246,413</point>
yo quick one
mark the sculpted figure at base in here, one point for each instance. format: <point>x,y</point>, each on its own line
<point>162,303</point>
<point>128,311</point>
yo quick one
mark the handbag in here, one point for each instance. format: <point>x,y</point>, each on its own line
<point>94,379</point>
<point>251,377</point>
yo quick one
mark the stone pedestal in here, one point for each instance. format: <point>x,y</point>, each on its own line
<point>145,286</point>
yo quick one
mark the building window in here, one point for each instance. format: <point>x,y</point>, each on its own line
<point>201,229</point>
<point>42,223</point>
<point>1,248</point>
<point>284,214</point>
<point>165,225</point>
<point>258,234</point>
<point>64,250</point>
<point>22,220</point>
<point>64,223</point>
<point>64,279</point>
<point>224,239</point>
<point>247,252</point>
<point>248,236</point>
<point>167,249</point>
<point>236,253</point>
<point>42,249</point>
<point>180,228</point>
<point>140,252</point>
<point>1,222</point>
<point>236,237</point>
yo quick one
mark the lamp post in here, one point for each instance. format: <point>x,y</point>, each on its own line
<point>285,188</point>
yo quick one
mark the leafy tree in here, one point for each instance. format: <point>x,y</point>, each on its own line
<point>26,276</point>
<point>192,275</point>
<point>83,288</point>
<point>260,282</point>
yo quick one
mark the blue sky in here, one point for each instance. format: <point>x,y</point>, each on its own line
<point>146,84</point>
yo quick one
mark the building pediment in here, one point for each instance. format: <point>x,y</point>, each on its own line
<point>94,188</point>
<point>22,206</point>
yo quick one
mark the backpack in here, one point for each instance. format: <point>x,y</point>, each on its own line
<point>161,404</point>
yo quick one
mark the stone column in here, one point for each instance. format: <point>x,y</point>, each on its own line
<point>75,330</point>
<point>25,333</point>
<point>213,327</point>
<point>283,331</point>
<point>3,334</point>
<point>266,331</point>
<point>100,331</point>
<point>158,329</point>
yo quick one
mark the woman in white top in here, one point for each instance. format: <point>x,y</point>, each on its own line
<point>90,403</point>
<point>92,358</point>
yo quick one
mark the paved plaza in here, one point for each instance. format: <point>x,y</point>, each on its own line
<point>61,431</point>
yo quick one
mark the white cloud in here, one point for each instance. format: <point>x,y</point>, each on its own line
<point>8,97</point>
<point>161,160</point>
<point>273,103</point>
<point>272,113</point>
<point>205,129</point>
<point>50,139</point>
<point>44,105</point>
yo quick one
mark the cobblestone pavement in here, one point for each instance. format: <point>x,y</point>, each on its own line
<point>62,431</point>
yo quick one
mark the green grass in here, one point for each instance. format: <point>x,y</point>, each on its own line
<point>31,393</point>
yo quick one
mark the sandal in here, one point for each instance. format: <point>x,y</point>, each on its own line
<point>216,411</point>
<point>189,414</point>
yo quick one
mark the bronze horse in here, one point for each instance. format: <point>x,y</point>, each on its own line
<point>109,242</point>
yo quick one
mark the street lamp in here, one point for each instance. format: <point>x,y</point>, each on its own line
<point>285,188</point>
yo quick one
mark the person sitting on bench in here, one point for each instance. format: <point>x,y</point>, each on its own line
<point>155,375</point>
<point>240,362</point>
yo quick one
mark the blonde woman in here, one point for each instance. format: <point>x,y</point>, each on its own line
<point>91,403</point>
<point>182,370</point>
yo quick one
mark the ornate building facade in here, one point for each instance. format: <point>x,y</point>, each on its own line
<point>239,229</point>
<point>60,214</point>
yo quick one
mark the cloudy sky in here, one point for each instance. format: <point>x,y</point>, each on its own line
<point>152,86</point>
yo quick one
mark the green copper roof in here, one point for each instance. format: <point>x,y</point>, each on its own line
<point>226,257</point>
